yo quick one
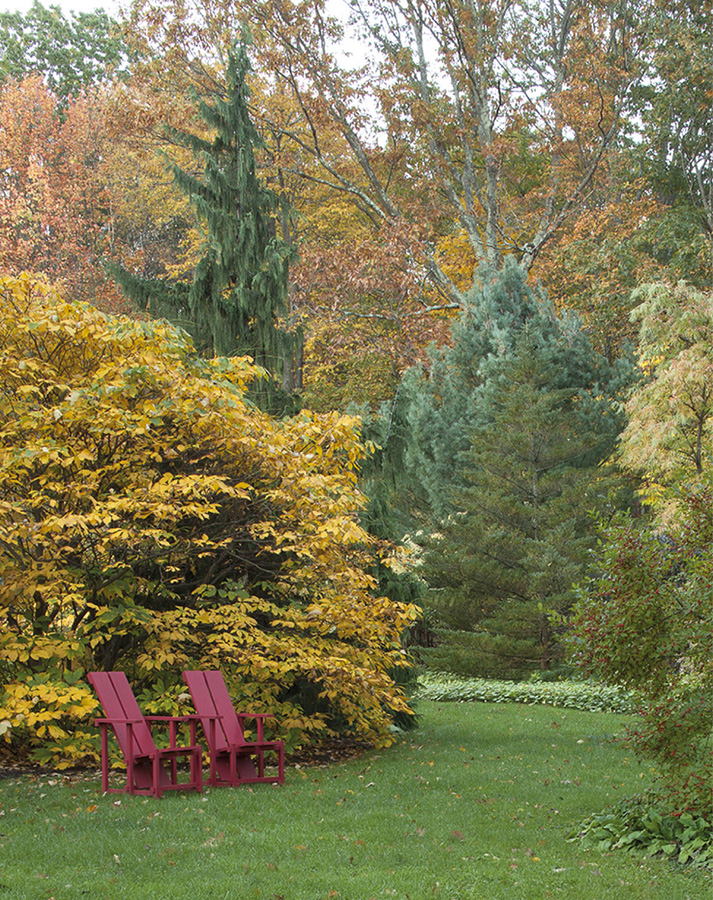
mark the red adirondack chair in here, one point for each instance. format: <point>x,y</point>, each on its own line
<point>145,769</point>
<point>233,760</point>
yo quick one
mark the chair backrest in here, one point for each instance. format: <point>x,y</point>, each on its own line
<point>117,698</point>
<point>211,698</point>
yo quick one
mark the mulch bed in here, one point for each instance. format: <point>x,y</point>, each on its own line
<point>324,755</point>
<point>328,753</point>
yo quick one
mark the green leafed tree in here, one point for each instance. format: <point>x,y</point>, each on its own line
<point>676,147</point>
<point>646,623</point>
<point>71,53</point>
<point>236,304</point>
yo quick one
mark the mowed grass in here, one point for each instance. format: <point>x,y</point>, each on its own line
<point>478,803</point>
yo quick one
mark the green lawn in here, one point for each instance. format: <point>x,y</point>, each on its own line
<point>475,805</point>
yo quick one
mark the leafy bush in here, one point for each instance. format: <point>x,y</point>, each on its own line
<point>586,696</point>
<point>153,520</point>
<point>640,828</point>
<point>646,623</point>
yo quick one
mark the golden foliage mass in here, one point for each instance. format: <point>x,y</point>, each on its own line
<point>151,520</point>
<point>670,433</point>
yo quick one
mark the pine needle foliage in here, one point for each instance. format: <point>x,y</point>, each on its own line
<point>522,535</point>
<point>240,285</point>
<point>237,301</point>
<point>509,426</point>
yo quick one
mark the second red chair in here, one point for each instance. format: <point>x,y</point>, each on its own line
<point>233,760</point>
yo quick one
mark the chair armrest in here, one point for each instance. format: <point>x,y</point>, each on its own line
<point>117,721</point>
<point>260,722</point>
<point>168,718</point>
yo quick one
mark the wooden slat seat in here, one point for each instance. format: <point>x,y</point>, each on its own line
<point>233,760</point>
<point>149,769</point>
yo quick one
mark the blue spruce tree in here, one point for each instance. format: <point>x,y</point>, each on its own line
<point>508,430</point>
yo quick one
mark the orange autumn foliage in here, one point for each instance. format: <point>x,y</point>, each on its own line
<point>55,205</point>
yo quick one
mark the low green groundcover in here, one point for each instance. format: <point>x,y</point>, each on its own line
<point>587,696</point>
<point>633,826</point>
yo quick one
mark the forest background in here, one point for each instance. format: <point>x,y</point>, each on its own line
<point>490,235</point>
<point>575,141</point>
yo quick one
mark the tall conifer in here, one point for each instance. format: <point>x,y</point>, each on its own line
<point>237,302</point>
<point>508,428</point>
<point>521,537</point>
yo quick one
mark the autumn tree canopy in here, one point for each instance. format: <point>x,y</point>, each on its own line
<point>559,134</point>
<point>55,197</point>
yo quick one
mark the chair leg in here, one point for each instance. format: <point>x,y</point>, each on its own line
<point>212,770</point>
<point>105,759</point>
<point>156,786</point>
<point>197,770</point>
<point>130,774</point>
<point>233,775</point>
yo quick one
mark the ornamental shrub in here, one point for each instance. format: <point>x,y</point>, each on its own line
<point>153,520</point>
<point>646,623</point>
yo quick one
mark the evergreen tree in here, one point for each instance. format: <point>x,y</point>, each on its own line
<point>384,481</point>
<point>444,402</point>
<point>521,538</point>
<point>238,298</point>
<point>441,400</point>
<point>508,430</point>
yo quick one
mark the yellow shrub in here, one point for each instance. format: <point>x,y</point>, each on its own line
<point>152,520</point>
